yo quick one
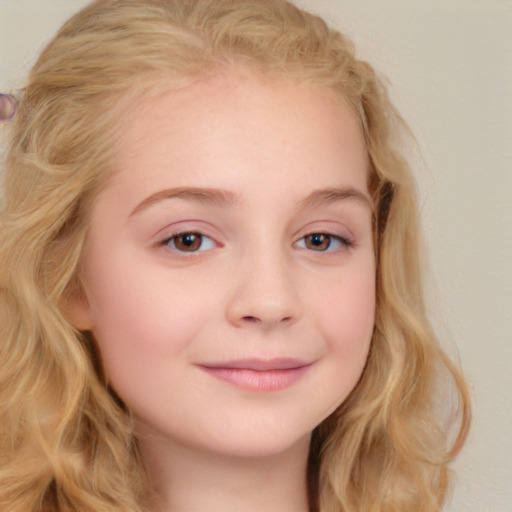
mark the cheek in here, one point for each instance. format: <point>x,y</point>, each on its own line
<point>346,307</point>
<point>140,319</point>
<point>346,316</point>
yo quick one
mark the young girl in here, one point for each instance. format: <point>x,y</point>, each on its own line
<point>209,274</point>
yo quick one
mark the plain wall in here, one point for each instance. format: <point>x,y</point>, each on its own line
<point>449,66</point>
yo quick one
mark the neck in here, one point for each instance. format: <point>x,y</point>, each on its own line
<point>187,480</point>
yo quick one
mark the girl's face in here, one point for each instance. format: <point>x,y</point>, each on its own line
<point>229,270</point>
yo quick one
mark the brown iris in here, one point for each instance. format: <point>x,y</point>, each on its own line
<point>317,241</point>
<point>188,242</point>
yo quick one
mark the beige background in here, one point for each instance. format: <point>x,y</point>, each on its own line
<point>449,65</point>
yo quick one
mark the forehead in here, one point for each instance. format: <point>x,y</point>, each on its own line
<point>244,86</point>
<point>195,133</point>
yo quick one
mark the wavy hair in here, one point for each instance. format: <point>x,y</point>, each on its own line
<point>66,441</point>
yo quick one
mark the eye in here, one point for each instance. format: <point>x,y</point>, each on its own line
<point>189,241</point>
<point>323,242</point>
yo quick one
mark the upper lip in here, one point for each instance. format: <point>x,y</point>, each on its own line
<point>260,365</point>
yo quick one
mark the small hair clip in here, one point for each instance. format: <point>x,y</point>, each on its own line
<point>9,107</point>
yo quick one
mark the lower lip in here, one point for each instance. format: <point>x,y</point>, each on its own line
<point>256,380</point>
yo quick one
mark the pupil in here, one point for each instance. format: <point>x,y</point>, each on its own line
<point>189,239</point>
<point>317,239</point>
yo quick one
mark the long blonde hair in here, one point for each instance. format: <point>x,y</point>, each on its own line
<point>66,440</point>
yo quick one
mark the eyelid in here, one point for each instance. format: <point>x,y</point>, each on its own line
<point>334,227</point>
<point>186,225</point>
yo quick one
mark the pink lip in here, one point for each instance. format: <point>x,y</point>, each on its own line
<point>258,375</point>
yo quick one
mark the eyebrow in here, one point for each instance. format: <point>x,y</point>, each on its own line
<point>209,196</point>
<point>225,198</point>
<point>331,195</point>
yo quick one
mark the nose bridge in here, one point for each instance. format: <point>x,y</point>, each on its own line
<point>265,288</point>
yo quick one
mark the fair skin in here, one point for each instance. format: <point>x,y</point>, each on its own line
<point>230,284</point>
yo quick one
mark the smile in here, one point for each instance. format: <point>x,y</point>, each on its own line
<point>259,375</point>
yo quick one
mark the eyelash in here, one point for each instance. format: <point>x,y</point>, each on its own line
<point>167,241</point>
<point>339,241</point>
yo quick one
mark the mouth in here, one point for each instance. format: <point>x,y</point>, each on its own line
<point>258,374</point>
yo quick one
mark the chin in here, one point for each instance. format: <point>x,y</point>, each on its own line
<point>251,444</point>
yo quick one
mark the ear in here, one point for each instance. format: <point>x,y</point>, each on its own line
<point>77,311</point>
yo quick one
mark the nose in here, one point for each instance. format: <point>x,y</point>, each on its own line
<point>265,293</point>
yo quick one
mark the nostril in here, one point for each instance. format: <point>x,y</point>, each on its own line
<point>251,319</point>
<point>256,320</point>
